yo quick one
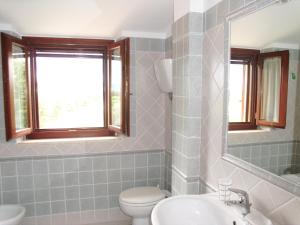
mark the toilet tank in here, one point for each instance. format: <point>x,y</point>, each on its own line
<point>163,73</point>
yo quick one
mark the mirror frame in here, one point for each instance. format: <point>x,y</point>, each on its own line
<point>262,173</point>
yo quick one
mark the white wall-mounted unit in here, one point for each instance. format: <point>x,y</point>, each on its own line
<point>163,73</point>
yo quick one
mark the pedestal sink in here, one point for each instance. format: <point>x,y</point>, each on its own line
<point>11,214</point>
<point>202,210</point>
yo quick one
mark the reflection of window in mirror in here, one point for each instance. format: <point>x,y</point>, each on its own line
<point>272,86</point>
<point>257,89</point>
<point>242,86</point>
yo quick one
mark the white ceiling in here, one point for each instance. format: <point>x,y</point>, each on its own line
<point>277,25</point>
<point>87,18</point>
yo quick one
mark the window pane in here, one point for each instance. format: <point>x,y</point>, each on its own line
<point>20,88</point>
<point>237,93</point>
<point>70,90</point>
<point>116,87</point>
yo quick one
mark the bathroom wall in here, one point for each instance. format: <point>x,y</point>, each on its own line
<point>60,176</point>
<point>276,157</point>
<point>297,109</point>
<point>280,205</point>
<point>168,133</point>
<point>147,111</point>
<point>63,184</point>
<point>186,126</point>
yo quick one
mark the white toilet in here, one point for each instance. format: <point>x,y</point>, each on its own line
<point>138,203</point>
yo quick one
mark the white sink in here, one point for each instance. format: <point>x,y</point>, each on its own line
<point>202,210</point>
<point>11,214</point>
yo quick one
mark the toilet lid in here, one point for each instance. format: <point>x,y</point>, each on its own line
<point>140,195</point>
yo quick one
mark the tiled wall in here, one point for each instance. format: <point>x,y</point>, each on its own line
<point>77,183</point>
<point>147,111</point>
<point>168,170</point>
<point>278,204</point>
<point>186,130</point>
<point>168,47</point>
<point>279,157</point>
<point>66,176</point>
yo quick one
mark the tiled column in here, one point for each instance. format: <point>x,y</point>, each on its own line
<point>186,113</point>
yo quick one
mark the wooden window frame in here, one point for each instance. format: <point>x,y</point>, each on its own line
<point>124,46</point>
<point>7,42</point>
<point>284,55</point>
<point>250,56</point>
<point>67,44</point>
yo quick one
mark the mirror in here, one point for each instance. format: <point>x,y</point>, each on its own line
<point>264,93</point>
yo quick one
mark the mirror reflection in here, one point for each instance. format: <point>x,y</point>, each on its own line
<point>264,90</point>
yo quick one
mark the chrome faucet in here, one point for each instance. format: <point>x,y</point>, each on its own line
<point>243,202</point>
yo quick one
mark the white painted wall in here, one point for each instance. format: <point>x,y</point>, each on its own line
<point>182,7</point>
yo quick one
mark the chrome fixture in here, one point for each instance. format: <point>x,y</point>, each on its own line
<point>242,202</point>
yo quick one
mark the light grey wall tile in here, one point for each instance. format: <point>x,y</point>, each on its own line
<point>10,197</point>
<point>72,192</point>
<point>57,187</point>
<point>157,45</point>
<point>57,194</point>
<point>211,18</point>
<point>41,181</point>
<point>40,167</point>
<point>8,168</point>
<point>24,167</point>
<point>9,183</point>
<point>57,180</point>
<point>127,184</point>
<point>42,195</point>
<point>140,159</point>
<point>71,179</point>
<point>101,203</point>
<point>154,159</point>
<point>43,208</point>
<point>114,162</point>
<point>58,207</point>
<point>127,161</point>
<point>153,172</point>
<point>114,176</point>
<point>100,190</point>
<point>25,182</point>
<point>127,174</point>
<point>26,196</point>
<point>113,201</point>
<point>85,178</point>
<point>140,173</point>
<point>86,191</point>
<point>114,188</point>
<point>100,177</point>
<point>70,165</point>
<point>87,204</point>
<point>56,165</point>
<point>100,162</point>
<point>142,44</point>
<point>73,205</point>
<point>85,164</point>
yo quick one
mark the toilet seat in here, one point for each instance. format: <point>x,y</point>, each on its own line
<point>141,196</point>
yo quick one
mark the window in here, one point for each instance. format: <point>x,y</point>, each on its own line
<point>273,73</point>
<point>242,86</point>
<point>62,87</point>
<point>257,89</point>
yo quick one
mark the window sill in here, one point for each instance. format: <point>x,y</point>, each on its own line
<point>62,140</point>
<point>250,131</point>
